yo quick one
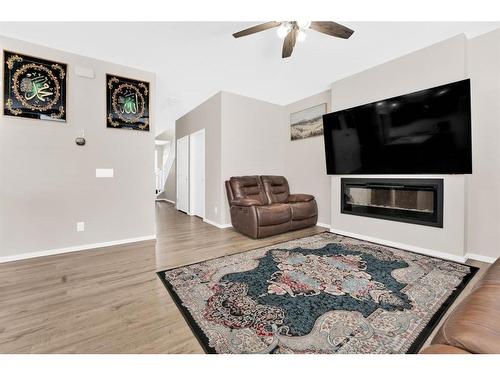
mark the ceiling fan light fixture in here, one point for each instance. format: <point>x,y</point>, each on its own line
<point>301,36</point>
<point>283,30</point>
<point>304,24</point>
<point>292,31</point>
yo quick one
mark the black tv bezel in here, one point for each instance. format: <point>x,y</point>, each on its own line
<point>329,155</point>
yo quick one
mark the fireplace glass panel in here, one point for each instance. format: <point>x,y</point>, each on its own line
<point>398,199</point>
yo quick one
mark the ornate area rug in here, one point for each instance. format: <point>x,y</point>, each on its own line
<point>320,294</point>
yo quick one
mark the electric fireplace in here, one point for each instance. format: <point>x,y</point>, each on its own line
<point>416,201</point>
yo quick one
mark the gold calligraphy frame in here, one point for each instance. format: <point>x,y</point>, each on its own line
<point>111,80</point>
<point>19,57</point>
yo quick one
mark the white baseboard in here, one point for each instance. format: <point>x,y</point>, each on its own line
<point>416,249</point>
<point>166,200</point>
<point>91,246</point>
<point>221,226</point>
<point>323,225</point>
<point>481,258</point>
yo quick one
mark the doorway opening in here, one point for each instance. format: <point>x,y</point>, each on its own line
<point>191,174</point>
<point>164,167</point>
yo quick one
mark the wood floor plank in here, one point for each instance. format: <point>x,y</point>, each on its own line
<point>110,300</point>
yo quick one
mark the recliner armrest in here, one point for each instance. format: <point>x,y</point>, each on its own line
<point>443,349</point>
<point>294,198</point>
<point>245,202</point>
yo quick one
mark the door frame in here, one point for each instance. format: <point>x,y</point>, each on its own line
<point>178,141</point>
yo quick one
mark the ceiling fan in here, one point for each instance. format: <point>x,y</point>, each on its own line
<point>293,31</point>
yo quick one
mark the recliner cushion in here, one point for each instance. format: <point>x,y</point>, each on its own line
<point>304,223</point>
<point>273,214</point>
<point>276,188</point>
<point>248,187</point>
<point>303,210</point>
<point>272,230</point>
<point>294,198</point>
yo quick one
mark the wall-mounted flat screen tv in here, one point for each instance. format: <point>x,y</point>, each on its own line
<point>425,132</point>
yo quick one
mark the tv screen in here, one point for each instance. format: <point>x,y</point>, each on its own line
<point>425,132</point>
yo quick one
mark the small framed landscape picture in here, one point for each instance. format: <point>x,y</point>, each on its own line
<point>34,88</point>
<point>127,103</point>
<point>307,123</point>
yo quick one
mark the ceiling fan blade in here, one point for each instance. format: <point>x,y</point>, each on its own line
<point>289,43</point>
<point>256,29</point>
<point>331,28</point>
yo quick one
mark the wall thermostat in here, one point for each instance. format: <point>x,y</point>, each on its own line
<point>80,141</point>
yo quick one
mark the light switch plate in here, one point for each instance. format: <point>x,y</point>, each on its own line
<point>104,173</point>
<point>80,226</point>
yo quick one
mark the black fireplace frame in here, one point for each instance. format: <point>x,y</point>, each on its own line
<point>434,184</point>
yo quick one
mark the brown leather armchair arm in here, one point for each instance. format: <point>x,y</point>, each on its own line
<point>245,202</point>
<point>443,349</point>
<point>294,198</point>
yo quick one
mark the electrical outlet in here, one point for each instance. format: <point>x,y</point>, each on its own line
<point>80,226</point>
<point>215,209</point>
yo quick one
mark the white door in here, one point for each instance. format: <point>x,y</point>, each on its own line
<point>182,173</point>
<point>197,173</point>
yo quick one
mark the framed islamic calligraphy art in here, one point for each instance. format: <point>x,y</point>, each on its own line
<point>34,88</point>
<point>127,103</point>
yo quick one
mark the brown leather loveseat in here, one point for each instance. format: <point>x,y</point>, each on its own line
<point>262,206</point>
<point>474,325</point>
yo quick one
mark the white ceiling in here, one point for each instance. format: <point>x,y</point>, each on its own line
<point>194,60</point>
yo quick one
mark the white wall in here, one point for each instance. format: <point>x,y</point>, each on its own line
<point>432,66</point>
<point>252,140</point>
<point>305,166</point>
<point>48,183</point>
<point>483,186</point>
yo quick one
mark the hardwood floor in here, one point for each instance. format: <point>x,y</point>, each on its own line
<point>110,300</point>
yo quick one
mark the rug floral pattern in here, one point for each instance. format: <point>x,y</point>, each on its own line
<point>320,294</point>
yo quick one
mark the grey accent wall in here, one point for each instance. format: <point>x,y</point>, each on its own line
<point>48,183</point>
<point>305,166</point>
<point>252,140</point>
<point>169,185</point>
<point>435,65</point>
<point>208,116</point>
<point>243,136</point>
<point>169,188</point>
